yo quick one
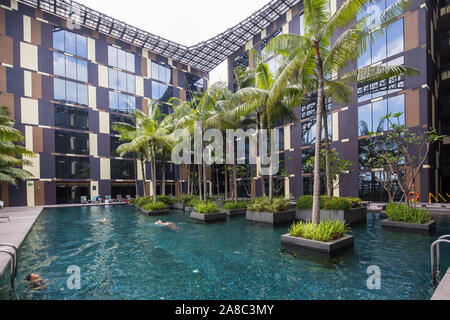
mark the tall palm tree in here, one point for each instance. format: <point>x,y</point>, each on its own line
<point>310,61</point>
<point>266,103</point>
<point>12,153</point>
<point>127,134</point>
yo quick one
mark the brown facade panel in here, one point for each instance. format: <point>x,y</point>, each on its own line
<point>183,94</point>
<point>412,108</point>
<point>145,104</point>
<point>36,85</point>
<point>7,99</point>
<point>35,32</point>
<point>39,193</point>
<point>2,21</point>
<point>152,56</point>
<point>38,141</point>
<point>6,52</point>
<point>411,24</point>
<point>144,70</point>
<point>175,77</point>
<point>2,79</point>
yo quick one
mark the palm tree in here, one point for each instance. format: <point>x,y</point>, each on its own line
<point>266,103</point>
<point>127,134</point>
<point>309,61</point>
<point>11,151</point>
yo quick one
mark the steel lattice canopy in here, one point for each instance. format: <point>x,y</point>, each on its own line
<point>204,56</point>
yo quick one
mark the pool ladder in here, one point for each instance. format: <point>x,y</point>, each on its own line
<point>13,254</point>
<point>435,248</point>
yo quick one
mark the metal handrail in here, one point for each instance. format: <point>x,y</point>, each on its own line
<point>436,272</point>
<point>13,256</point>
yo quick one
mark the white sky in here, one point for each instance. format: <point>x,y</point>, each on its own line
<point>187,22</point>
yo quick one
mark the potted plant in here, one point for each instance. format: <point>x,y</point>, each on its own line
<point>275,212</point>
<point>324,238</point>
<point>155,209</point>
<point>207,212</point>
<point>233,209</point>
<point>347,210</point>
<point>407,218</point>
<point>191,204</point>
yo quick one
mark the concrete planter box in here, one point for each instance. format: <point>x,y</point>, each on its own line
<point>156,213</point>
<point>285,217</point>
<point>349,217</point>
<point>429,227</point>
<point>208,217</point>
<point>188,209</point>
<point>323,249</point>
<point>235,212</point>
<point>177,206</point>
<point>219,203</point>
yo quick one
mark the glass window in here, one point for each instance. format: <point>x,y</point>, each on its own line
<point>59,64</point>
<point>302,25</point>
<point>71,92</point>
<point>71,67</point>
<point>121,81</point>
<point>309,132</point>
<point>82,70</point>
<point>131,84</point>
<point>83,95</point>
<point>379,110</point>
<point>365,119</point>
<point>71,142</point>
<point>59,89</point>
<point>395,38</point>
<point>72,168</point>
<point>70,43</point>
<point>379,48</point>
<point>81,46</point>
<point>397,105</point>
<point>121,59</point>
<point>113,100</point>
<point>58,40</point>
<point>113,79</point>
<point>114,144</point>
<point>112,56</point>
<point>71,117</point>
<point>122,169</point>
<point>161,73</point>
<point>130,62</point>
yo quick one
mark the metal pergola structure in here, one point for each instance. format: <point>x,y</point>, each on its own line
<point>204,56</point>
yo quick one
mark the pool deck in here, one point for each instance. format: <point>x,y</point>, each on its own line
<point>15,231</point>
<point>443,290</point>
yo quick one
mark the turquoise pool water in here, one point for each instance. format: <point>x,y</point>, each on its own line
<point>131,258</point>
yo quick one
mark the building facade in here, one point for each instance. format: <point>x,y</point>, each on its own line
<point>68,73</point>
<point>66,85</point>
<point>410,41</point>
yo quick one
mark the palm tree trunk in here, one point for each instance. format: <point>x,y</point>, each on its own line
<point>327,154</point>
<point>163,165</point>
<point>143,174</point>
<point>154,184</point>
<point>235,178</point>
<point>263,180</point>
<point>200,178</point>
<point>217,180</point>
<point>135,174</point>
<point>189,178</point>
<point>226,182</point>
<point>320,102</point>
<point>205,191</point>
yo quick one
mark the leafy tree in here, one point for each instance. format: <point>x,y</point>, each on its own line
<point>12,152</point>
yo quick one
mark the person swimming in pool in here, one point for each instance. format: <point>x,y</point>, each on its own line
<point>35,282</point>
<point>166,224</point>
<point>103,220</point>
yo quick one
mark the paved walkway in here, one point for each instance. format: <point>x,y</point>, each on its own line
<point>15,231</point>
<point>443,290</point>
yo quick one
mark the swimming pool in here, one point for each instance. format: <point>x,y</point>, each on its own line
<point>131,258</point>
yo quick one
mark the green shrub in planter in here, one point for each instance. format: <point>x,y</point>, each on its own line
<point>355,202</point>
<point>133,201</point>
<point>265,205</point>
<point>231,205</point>
<point>324,231</point>
<point>208,208</point>
<point>401,213</point>
<point>155,206</point>
<point>166,199</point>
<point>141,202</point>
<point>337,204</point>
<point>194,202</point>
<point>306,202</point>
